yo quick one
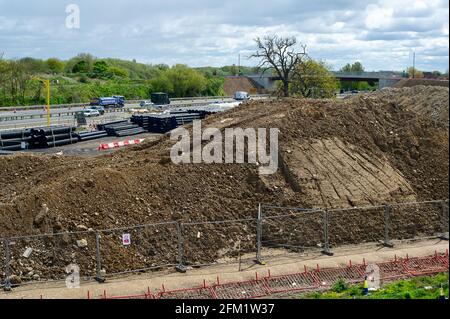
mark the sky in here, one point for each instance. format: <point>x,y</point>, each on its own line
<point>381,34</point>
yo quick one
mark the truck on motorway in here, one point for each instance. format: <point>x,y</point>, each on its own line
<point>159,98</point>
<point>107,102</point>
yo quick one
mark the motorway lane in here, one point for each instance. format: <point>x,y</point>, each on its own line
<point>127,105</point>
<point>61,116</point>
<point>63,120</point>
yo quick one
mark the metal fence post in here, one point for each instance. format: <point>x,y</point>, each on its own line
<point>7,286</point>
<point>387,220</point>
<point>180,267</point>
<point>259,221</point>
<point>444,207</point>
<point>99,278</point>
<point>326,238</point>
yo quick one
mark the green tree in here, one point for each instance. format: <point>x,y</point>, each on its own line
<point>214,86</point>
<point>32,65</point>
<point>119,72</point>
<point>356,67</point>
<point>279,54</point>
<point>162,84</point>
<point>100,69</point>
<point>313,79</point>
<point>180,81</point>
<point>80,67</point>
<point>414,73</point>
<point>55,65</point>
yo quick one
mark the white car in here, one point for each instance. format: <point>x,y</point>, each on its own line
<point>146,103</point>
<point>241,96</point>
<point>91,113</point>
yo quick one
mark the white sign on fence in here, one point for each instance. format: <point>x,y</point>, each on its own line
<point>126,239</point>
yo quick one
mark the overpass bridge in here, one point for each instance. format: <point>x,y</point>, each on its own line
<point>382,79</point>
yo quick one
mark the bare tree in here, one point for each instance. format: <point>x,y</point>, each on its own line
<point>280,54</point>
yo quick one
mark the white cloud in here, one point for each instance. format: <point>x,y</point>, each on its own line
<point>378,17</point>
<point>380,33</point>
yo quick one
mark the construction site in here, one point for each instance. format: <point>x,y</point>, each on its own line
<point>371,169</point>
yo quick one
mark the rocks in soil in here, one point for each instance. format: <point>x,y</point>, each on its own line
<point>82,243</point>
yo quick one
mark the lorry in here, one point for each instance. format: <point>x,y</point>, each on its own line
<point>159,98</point>
<point>106,102</point>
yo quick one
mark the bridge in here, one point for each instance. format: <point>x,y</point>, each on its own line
<point>383,79</point>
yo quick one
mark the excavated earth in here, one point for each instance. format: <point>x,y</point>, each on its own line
<point>385,147</point>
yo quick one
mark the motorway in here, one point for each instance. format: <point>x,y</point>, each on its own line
<point>10,119</point>
<point>43,111</point>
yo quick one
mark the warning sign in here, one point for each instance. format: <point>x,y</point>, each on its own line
<point>126,239</point>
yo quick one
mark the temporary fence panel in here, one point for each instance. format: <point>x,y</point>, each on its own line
<point>52,257</point>
<point>329,276</point>
<point>416,220</point>
<point>242,290</point>
<point>317,279</point>
<point>424,265</point>
<point>193,293</point>
<point>124,250</point>
<point>3,256</point>
<point>293,231</point>
<point>392,270</point>
<point>356,225</point>
<point>292,282</point>
<point>275,230</point>
<point>217,242</point>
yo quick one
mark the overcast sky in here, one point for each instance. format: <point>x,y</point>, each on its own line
<point>382,34</point>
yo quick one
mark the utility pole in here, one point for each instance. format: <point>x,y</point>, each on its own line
<point>239,65</point>
<point>414,65</point>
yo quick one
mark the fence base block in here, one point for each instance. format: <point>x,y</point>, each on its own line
<point>181,268</point>
<point>388,244</point>
<point>100,280</point>
<point>260,262</point>
<point>327,252</point>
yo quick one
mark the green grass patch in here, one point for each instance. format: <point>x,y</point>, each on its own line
<point>426,287</point>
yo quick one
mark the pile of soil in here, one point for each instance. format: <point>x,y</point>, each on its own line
<point>427,82</point>
<point>369,149</point>
<point>431,101</point>
<point>240,83</point>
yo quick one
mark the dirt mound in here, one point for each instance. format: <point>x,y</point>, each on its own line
<point>425,100</point>
<point>240,83</point>
<point>426,82</point>
<point>366,150</point>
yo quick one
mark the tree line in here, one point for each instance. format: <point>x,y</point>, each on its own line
<point>83,77</point>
